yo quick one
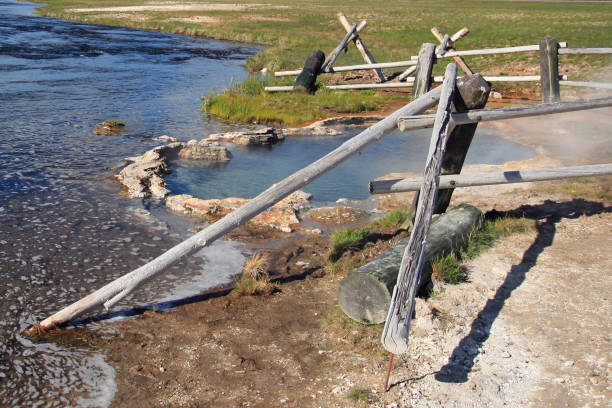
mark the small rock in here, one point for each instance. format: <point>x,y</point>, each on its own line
<point>166,139</point>
<point>505,354</point>
<point>496,95</point>
<point>162,369</point>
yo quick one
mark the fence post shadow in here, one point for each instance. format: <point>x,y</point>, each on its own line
<point>462,359</point>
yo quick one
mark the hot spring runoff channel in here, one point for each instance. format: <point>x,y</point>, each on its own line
<point>64,228</point>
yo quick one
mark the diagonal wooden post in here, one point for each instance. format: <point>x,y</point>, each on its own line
<point>361,47</point>
<point>422,80</point>
<point>397,326</point>
<point>473,93</point>
<point>459,34</point>
<point>331,58</point>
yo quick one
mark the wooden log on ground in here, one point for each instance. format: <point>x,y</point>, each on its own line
<point>331,58</point>
<point>549,70</point>
<point>458,60</point>
<point>473,93</point>
<point>121,287</point>
<point>305,82</point>
<point>365,294</point>
<point>422,81</point>
<point>397,325</point>
<point>427,121</point>
<point>486,179</point>
<point>365,53</point>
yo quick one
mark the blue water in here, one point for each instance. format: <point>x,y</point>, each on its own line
<point>252,170</point>
<point>64,228</point>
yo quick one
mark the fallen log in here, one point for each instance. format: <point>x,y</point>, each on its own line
<point>365,294</point>
<point>305,82</point>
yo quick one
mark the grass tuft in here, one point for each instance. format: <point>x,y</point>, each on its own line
<point>357,394</point>
<point>393,218</point>
<point>347,239</point>
<point>255,280</point>
<point>448,269</point>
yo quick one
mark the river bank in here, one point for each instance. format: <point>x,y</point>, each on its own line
<point>290,32</point>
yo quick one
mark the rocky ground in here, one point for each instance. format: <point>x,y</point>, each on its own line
<point>530,327</point>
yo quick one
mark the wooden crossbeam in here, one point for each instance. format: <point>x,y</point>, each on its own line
<point>367,57</point>
<point>458,60</point>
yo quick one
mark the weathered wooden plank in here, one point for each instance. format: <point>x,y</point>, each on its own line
<point>600,85</point>
<point>397,325</point>
<point>458,60</point>
<point>488,51</point>
<point>426,121</point>
<point>406,73</point>
<point>549,70</point>
<point>473,93</point>
<point>343,68</point>
<point>305,82</point>
<point>365,294</point>
<point>486,179</point>
<point>117,289</point>
<point>584,51</point>
<point>365,53</point>
<point>331,58</point>
<point>422,81</point>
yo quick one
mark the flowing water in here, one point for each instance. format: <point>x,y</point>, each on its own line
<point>64,228</point>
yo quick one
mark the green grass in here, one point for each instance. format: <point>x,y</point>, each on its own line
<point>449,268</point>
<point>394,218</point>
<point>347,239</point>
<point>114,123</point>
<point>291,30</point>
<point>247,102</point>
<point>357,394</point>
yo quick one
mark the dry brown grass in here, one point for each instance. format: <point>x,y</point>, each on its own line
<point>255,280</point>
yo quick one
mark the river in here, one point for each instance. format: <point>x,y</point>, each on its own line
<point>64,228</point>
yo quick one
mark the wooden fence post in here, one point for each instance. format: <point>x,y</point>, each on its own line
<point>422,80</point>
<point>305,82</point>
<point>397,326</point>
<point>473,94</point>
<point>331,58</point>
<point>549,70</point>
<point>458,60</point>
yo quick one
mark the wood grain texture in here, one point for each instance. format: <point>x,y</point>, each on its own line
<point>365,53</point>
<point>422,80</point>
<point>397,326</point>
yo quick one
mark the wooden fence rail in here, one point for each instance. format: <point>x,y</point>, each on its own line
<point>487,115</point>
<point>485,179</point>
<point>410,82</point>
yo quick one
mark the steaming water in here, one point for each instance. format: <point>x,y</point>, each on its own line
<point>65,230</point>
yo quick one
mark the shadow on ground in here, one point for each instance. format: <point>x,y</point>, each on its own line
<point>547,216</point>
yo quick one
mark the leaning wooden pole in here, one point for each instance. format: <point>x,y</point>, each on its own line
<point>486,179</point>
<point>397,326</point>
<point>331,58</point>
<point>427,121</point>
<point>119,288</point>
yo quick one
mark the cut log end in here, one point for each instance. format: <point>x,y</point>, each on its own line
<point>364,298</point>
